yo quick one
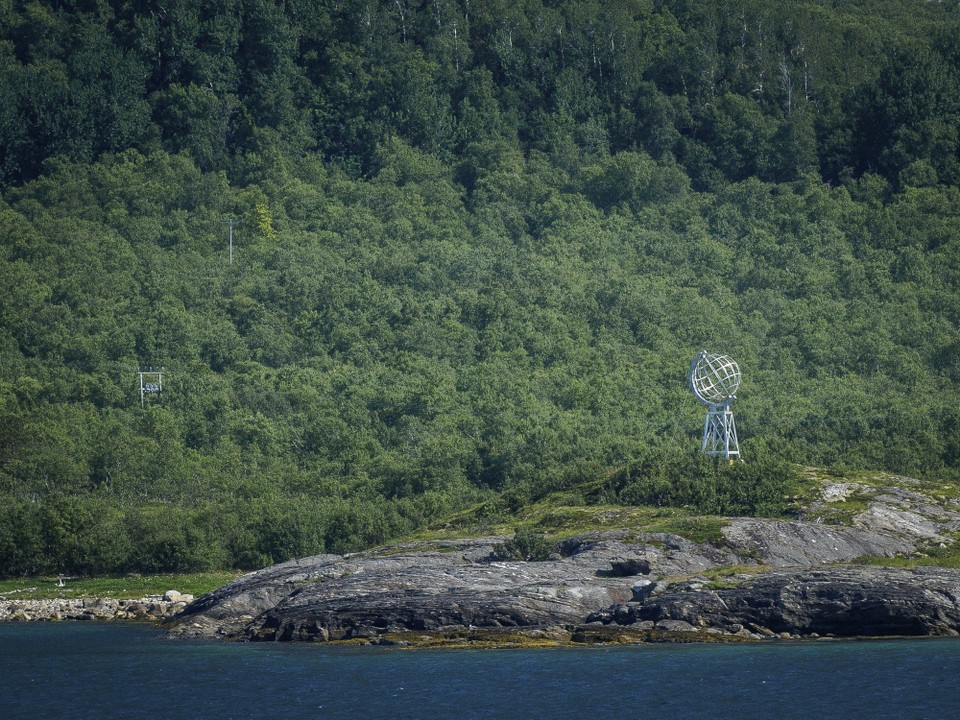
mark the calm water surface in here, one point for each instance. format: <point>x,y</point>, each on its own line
<point>81,670</point>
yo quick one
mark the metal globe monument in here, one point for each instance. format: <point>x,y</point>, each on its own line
<point>714,380</point>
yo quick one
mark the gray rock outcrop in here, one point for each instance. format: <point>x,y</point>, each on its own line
<point>406,589</point>
<point>782,577</point>
<point>842,601</point>
<point>784,543</point>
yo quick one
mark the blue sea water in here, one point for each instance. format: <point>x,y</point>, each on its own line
<point>87,670</point>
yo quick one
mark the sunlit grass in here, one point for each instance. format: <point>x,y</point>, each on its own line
<point>127,587</point>
<point>700,528</point>
<point>934,556</point>
<point>560,521</point>
<point>952,561</point>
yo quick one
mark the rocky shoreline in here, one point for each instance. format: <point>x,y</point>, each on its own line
<point>762,579</point>
<point>757,579</point>
<point>147,609</point>
<point>844,601</point>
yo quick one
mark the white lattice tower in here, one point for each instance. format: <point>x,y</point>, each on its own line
<point>714,380</point>
<point>151,381</point>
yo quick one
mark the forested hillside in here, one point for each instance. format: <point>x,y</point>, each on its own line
<point>481,242</point>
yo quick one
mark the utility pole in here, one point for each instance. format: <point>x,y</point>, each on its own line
<point>230,222</point>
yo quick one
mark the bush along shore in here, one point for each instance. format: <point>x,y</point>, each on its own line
<point>153,608</point>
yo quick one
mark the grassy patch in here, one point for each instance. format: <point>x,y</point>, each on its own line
<point>914,561</point>
<point>562,522</point>
<point>948,557</point>
<point>936,489</point>
<point>731,576</point>
<point>873,483</point>
<point>128,587</point>
<point>559,516</point>
<point>545,516</point>
<point>421,546</point>
<point>577,520</point>
<point>726,571</point>
<point>933,487</point>
<point>844,511</point>
<point>699,529</point>
<point>724,584</point>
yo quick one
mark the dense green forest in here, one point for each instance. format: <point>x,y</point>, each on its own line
<point>481,242</point>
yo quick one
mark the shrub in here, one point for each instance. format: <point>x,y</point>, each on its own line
<point>526,544</point>
<point>705,485</point>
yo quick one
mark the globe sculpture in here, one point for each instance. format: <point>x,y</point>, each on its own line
<point>714,380</point>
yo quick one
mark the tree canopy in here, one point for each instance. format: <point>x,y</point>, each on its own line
<point>480,244</point>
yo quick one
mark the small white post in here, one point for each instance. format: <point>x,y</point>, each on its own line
<point>231,222</point>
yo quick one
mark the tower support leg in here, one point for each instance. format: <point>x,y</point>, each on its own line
<point>720,433</point>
